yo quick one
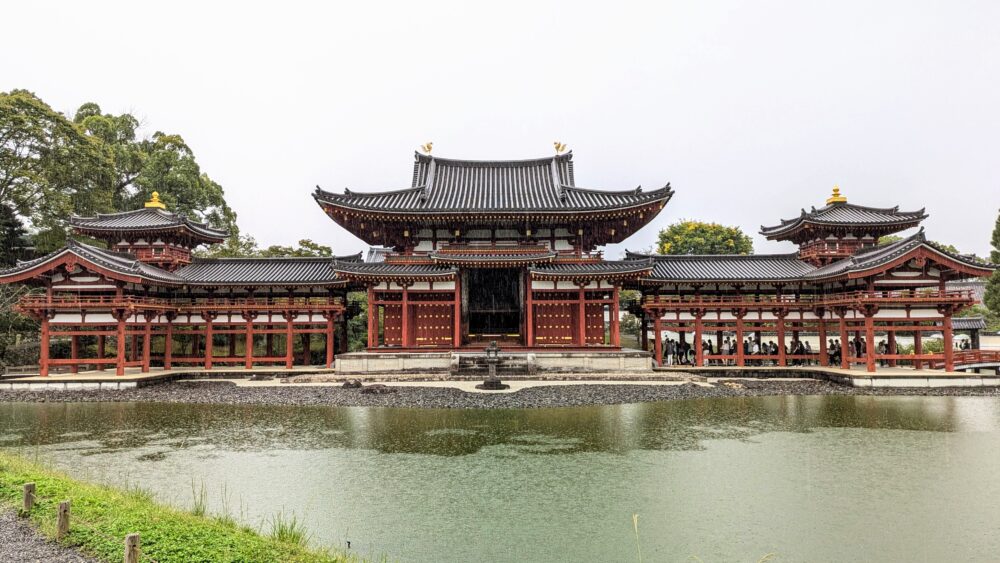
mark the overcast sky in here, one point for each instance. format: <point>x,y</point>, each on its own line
<point>752,110</point>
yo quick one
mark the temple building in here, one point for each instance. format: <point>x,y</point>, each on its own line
<point>481,251</point>
<point>473,252</point>
<point>840,285</point>
<point>158,305</point>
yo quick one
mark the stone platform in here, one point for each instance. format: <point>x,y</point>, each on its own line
<point>459,362</point>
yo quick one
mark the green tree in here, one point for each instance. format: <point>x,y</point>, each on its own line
<point>11,236</point>
<point>163,163</point>
<point>305,248</point>
<point>696,237</point>
<point>49,167</point>
<point>245,246</point>
<point>992,297</point>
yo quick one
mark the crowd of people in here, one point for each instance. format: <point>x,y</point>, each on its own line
<point>759,353</point>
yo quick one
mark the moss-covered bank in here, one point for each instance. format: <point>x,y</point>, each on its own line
<point>102,516</point>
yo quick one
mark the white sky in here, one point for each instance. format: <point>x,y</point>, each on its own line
<point>752,110</point>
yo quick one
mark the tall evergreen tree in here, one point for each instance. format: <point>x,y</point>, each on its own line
<point>992,297</point>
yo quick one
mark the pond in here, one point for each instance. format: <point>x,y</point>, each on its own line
<point>828,478</point>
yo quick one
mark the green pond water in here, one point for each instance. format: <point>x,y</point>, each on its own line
<point>836,478</point>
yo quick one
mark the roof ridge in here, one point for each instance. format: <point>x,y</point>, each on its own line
<point>538,161</point>
<point>775,256</point>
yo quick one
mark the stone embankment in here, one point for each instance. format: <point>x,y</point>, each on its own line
<point>223,392</point>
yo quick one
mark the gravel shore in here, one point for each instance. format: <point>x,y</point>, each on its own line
<point>223,392</point>
<point>19,541</point>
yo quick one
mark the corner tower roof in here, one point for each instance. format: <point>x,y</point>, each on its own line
<point>146,220</point>
<point>839,214</point>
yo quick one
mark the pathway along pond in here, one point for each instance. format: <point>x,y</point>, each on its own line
<point>829,478</point>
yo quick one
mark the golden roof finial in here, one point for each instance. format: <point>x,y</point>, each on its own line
<point>427,147</point>
<point>155,202</point>
<point>836,197</point>
<point>560,147</point>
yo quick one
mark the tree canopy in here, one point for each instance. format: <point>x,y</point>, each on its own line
<point>52,167</point>
<point>245,246</point>
<point>992,297</point>
<point>697,237</point>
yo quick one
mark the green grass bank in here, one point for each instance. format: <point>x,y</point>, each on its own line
<point>101,517</point>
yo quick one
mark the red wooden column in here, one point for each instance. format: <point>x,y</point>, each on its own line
<point>329,340</point>
<point>529,313</point>
<point>824,356</point>
<point>168,343</point>
<point>782,359</point>
<point>372,318</point>
<point>208,339</point>
<point>100,352</point>
<point>949,347</point>
<point>147,336</point>
<point>699,351</point>
<point>615,336</point>
<point>918,349</point>
<point>456,339</point>
<point>248,343</point>
<point>740,358</point>
<point>43,356</point>
<point>870,340</point>
<point>288,340</point>
<point>582,315</point>
<point>845,346</point>
<point>657,339</point>
<point>120,341</point>
<point>74,353</point>
<point>405,338</point>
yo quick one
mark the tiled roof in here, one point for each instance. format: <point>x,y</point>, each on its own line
<point>968,323</point>
<point>726,267</point>
<point>603,268</point>
<point>118,262</point>
<point>263,271</point>
<point>843,213</point>
<point>463,257</point>
<point>377,254</point>
<point>880,255</point>
<point>976,286</point>
<point>784,267</point>
<point>147,218</point>
<point>515,186</point>
<point>369,269</point>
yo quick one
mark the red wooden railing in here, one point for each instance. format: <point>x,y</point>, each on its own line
<point>970,357</point>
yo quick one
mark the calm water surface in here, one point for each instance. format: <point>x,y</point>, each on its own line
<point>806,478</point>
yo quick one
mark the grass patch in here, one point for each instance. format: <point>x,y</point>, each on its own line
<point>102,516</point>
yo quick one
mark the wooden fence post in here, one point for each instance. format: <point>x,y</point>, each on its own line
<point>132,548</point>
<point>29,498</point>
<point>62,524</point>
